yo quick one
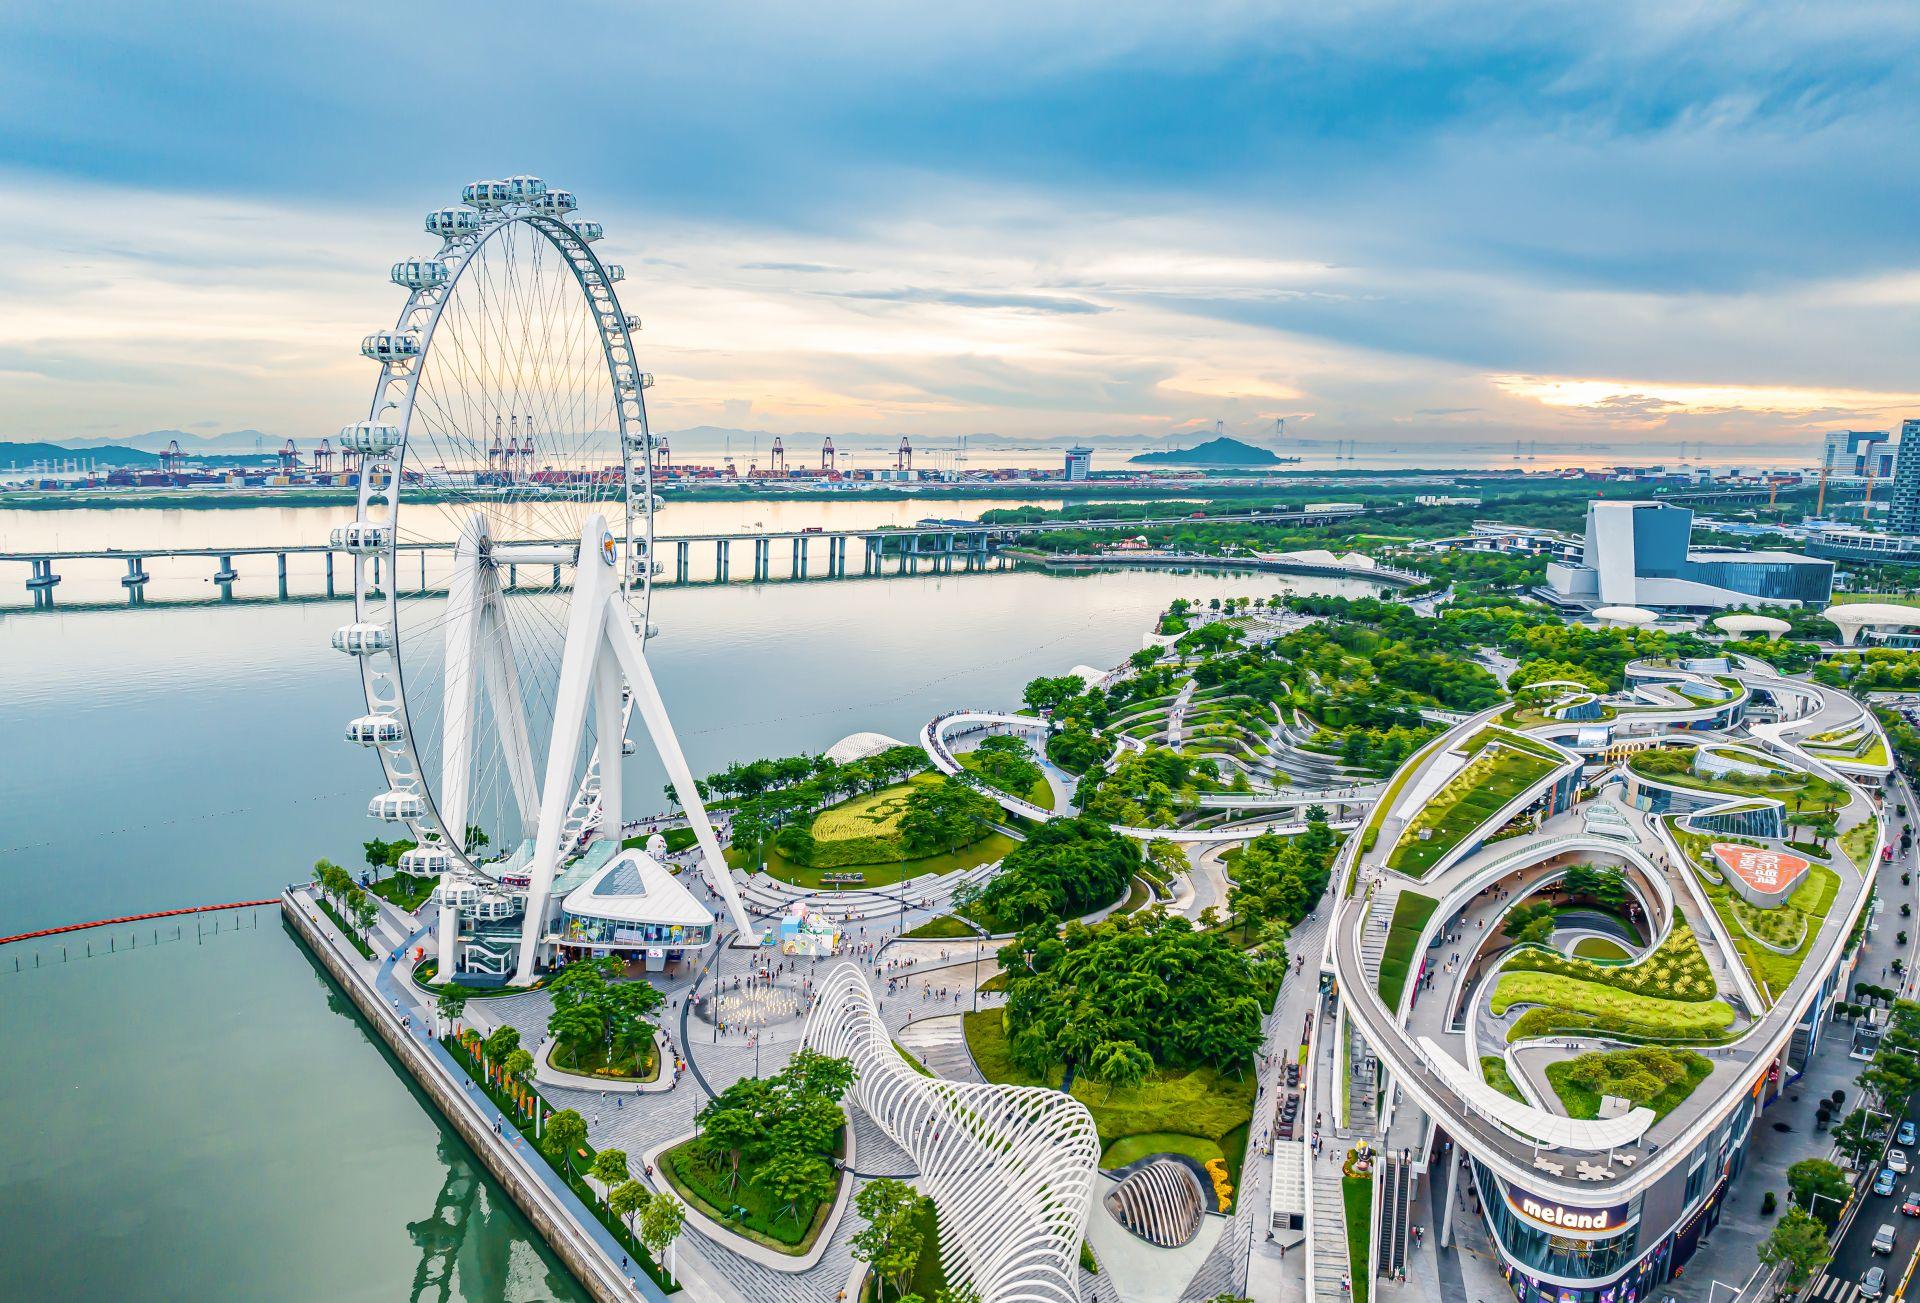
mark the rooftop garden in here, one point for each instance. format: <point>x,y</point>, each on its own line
<point>1771,943</point>
<point>928,825</point>
<point>1410,915</point>
<point>1675,766</point>
<point>1501,765</point>
<point>1651,1077</point>
<point>1566,1004</point>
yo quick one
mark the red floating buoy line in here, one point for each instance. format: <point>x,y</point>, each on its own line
<point>135,918</point>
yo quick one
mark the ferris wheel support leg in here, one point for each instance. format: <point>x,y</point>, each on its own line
<point>609,731</point>
<point>646,699</point>
<point>456,728</point>
<point>509,712</point>
<point>586,621</point>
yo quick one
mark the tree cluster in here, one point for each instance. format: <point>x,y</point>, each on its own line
<point>1276,880</point>
<point>1066,867</point>
<point>592,1012</point>
<point>350,900</point>
<point>1098,999</point>
<point>1004,762</point>
<point>783,1129</point>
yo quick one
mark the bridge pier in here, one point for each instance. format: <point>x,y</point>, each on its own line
<point>135,580</point>
<point>226,574</point>
<point>283,575</point>
<point>329,574</point>
<point>681,550</point>
<point>870,564</point>
<point>762,559</point>
<point>42,580</point>
<point>720,560</point>
<point>423,572</point>
<point>799,558</point>
<point>513,574</point>
<point>376,572</point>
<point>556,576</point>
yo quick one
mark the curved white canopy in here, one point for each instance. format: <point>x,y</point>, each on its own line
<point>1746,623</point>
<point>1550,1129</point>
<point>1625,615</point>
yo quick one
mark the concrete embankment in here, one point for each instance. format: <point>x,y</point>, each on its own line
<point>570,1242</point>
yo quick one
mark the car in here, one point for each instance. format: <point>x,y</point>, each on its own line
<point>1912,1206</point>
<point>1897,1160</point>
<point>1908,1134</point>
<point>1884,1237</point>
<point>1884,1183</point>
<point>1873,1282</point>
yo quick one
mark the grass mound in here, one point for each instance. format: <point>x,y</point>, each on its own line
<point>1410,915</point>
<point>1570,1004</point>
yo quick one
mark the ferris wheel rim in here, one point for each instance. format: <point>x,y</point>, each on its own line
<point>395,390</point>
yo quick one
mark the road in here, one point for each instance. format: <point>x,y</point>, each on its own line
<point>1853,1256</point>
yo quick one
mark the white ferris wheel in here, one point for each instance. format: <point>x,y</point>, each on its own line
<point>503,557</point>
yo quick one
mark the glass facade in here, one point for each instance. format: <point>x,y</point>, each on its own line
<point>1531,1246</point>
<point>587,930</point>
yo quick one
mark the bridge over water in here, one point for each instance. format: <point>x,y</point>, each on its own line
<point>934,547</point>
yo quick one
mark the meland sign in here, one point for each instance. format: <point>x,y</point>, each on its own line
<point>1559,1217</point>
<point>1763,870</point>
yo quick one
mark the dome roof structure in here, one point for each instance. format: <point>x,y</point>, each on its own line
<point>858,746</point>
<point>1625,615</point>
<point>1768,625</point>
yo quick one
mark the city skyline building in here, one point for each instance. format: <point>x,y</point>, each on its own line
<point>1903,507</point>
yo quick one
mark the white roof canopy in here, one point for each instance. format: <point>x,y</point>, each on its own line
<point>1549,1130</point>
<point>634,888</point>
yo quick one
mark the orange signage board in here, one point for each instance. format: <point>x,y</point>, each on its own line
<point>1771,872</point>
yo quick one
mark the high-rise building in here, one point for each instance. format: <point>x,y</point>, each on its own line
<point>1079,463</point>
<point>1903,508</point>
<point>1851,452</point>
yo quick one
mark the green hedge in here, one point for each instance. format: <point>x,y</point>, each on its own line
<point>1410,915</point>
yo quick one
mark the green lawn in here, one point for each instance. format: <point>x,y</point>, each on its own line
<point>1206,1106</point>
<point>1410,915</point>
<point>408,891</point>
<point>1858,841</point>
<point>766,1221</point>
<point>994,846</point>
<point>1612,1007</point>
<point>599,1063</point>
<point>941,928</point>
<point>1494,1069</point>
<point>1583,1102</point>
<point>1492,778</point>
<point>1357,1193</point>
<point>1600,948</point>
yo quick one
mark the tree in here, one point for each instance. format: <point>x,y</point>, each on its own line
<point>1145,658</point>
<point>660,1226</point>
<point>518,1063</point>
<point>564,1133</point>
<point>1046,694</point>
<point>1526,923</point>
<point>504,1040</point>
<point>1603,885</point>
<point>451,1003</point>
<point>1800,1242</point>
<point>610,1165</point>
<point>891,1240</point>
<point>1858,1137</point>
<point>1167,858</point>
<point>1122,1065</point>
<point>628,1198</point>
<point>1820,1187</point>
<point>943,816</point>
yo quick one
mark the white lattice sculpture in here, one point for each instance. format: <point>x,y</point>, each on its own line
<point>1010,1169</point>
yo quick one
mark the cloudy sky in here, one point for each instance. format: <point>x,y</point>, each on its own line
<point>1401,223</point>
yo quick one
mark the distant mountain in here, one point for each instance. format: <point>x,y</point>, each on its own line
<point>107,454</point>
<point>190,444</point>
<point>1224,451</point>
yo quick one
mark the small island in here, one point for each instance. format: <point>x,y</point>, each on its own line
<point>1223,451</point>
